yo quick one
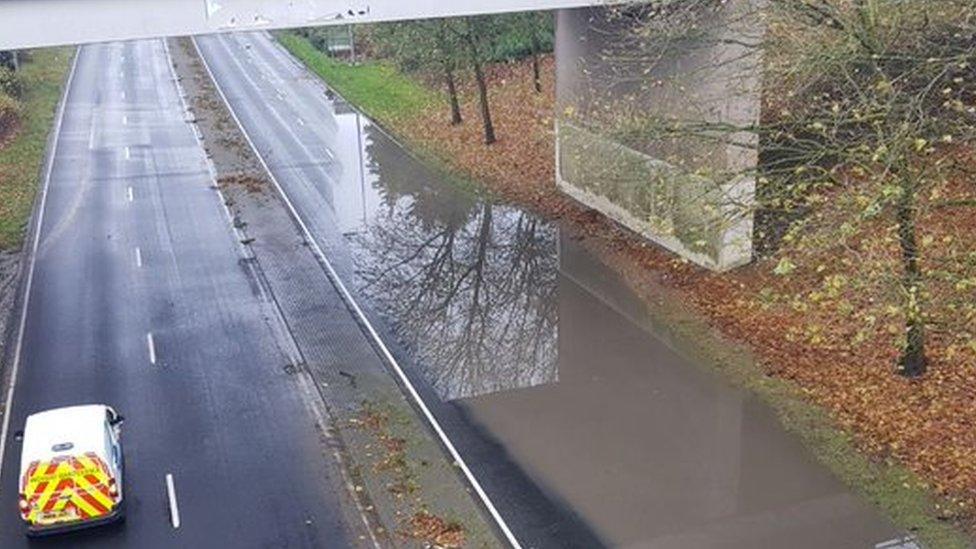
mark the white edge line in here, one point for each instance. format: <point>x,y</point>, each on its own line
<point>347,296</point>
<point>174,510</point>
<point>7,409</point>
<point>151,344</point>
<point>312,398</point>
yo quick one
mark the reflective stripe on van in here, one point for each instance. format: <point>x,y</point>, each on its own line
<point>66,489</point>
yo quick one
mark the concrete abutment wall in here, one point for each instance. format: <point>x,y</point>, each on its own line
<point>654,113</point>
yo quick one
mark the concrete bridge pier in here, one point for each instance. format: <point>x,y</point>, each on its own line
<point>645,104</point>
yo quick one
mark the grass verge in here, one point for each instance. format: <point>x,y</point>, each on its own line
<point>377,89</point>
<point>43,75</point>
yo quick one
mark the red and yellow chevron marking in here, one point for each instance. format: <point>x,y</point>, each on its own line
<point>67,488</point>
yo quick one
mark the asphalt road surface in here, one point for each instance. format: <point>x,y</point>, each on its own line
<point>142,300</point>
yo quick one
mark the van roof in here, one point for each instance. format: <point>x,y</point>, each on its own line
<point>82,426</point>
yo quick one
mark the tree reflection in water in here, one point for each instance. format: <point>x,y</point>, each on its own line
<point>468,287</point>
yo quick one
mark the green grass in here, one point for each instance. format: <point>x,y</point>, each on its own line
<point>379,90</point>
<point>20,160</point>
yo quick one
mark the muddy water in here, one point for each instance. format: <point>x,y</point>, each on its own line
<point>583,426</point>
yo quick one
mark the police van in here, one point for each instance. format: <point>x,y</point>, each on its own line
<point>71,469</point>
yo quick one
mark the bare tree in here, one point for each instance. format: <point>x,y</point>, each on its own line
<point>475,33</point>
<point>473,297</point>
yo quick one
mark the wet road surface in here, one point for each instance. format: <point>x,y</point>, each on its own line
<point>581,424</point>
<point>142,299</point>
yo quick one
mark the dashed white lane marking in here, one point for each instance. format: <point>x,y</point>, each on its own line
<point>301,122</point>
<point>128,153</point>
<point>174,510</point>
<point>151,343</point>
<point>129,194</point>
<point>123,94</point>
<point>907,542</point>
<point>125,120</point>
<point>279,96</point>
<point>138,256</point>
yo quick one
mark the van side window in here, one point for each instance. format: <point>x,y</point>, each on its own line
<point>109,441</point>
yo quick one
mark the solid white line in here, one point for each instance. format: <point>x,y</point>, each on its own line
<point>347,296</point>
<point>138,256</point>
<point>151,343</point>
<point>129,194</point>
<point>18,348</point>
<point>174,510</point>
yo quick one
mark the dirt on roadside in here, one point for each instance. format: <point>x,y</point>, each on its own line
<point>9,269</point>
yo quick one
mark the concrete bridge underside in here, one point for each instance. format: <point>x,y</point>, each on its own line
<point>656,189</point>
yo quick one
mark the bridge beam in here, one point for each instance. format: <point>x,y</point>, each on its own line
<point>38,23</point>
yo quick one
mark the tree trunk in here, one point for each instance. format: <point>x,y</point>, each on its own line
<point>352,44</point>
<point>479,76</point>
<point>452,94</point>
<point>536,76</point>
<point>912,363</point>
<point>471,38</point>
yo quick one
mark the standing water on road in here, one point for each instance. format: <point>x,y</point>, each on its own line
<point>583,427</point>
<point>542,367</point>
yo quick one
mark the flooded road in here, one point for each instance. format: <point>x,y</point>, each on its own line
<point>548,354</point>
<point>584,428</point>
